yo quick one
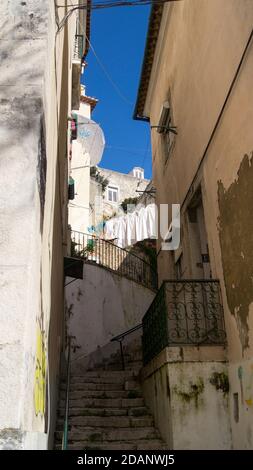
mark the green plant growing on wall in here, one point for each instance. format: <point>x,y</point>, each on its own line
<point>128,201</point>
<point>150,251</point>
<point>102,180</point>
<point>220,381</point>
<point>195,390</point>
<point>73,248</point>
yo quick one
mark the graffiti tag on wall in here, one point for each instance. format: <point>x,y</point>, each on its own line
<point>40,374</point>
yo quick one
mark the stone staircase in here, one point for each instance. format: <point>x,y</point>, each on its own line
<point>107,412</point>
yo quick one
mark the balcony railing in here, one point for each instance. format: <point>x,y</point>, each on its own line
<point>110,256</point>
<point>78,47</point>
<point>185,312</point>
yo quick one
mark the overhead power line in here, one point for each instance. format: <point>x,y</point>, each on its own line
<point>107,4</point>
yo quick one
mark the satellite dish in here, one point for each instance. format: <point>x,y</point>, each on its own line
<point>91,136</point>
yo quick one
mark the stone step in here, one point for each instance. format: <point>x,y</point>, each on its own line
<point>83,394</point>
<point>108,403</point>
<point>94,412</point>
<point>93,386</point>
<point>126,374</point>
<point>103,377</point>
<point>80,411</point>
<point>144,444</point>
<point>92,434</point>
<point>107,421</point>
<point>128,384</point>
<point>116,366</point>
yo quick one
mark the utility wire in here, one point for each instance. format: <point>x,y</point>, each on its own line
<point>108,76</point>
<point>108,4</point>
<point>117,3</point>
<point>115,86</point>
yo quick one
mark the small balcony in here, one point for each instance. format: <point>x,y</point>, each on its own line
<point>78,48</point>
<point>77,70</point>
<point>184,313</point>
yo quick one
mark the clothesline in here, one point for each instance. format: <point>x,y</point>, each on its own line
<point>134,227</point>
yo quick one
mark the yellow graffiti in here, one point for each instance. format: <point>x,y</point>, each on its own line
<point>249,402</point>
<point>40,375</point>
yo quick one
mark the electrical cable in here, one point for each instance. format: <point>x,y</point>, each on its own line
<point>115,86</point>
<point>108,4</point>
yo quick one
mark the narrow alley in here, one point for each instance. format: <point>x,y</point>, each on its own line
<point>126,243</point>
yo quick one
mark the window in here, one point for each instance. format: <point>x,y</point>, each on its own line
<point>166,128</point>
<point>138,174</point>
<point>112,194</point>
<point>168,136</point>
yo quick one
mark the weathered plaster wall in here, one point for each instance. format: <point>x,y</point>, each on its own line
<point>235,231</point>
<point>241,385</point>
<point>127,186</point>
<point>202,57</point>
<point>101,306</point>
<point>187,391</point>
<point>79,208</point>
<point>34,100</point>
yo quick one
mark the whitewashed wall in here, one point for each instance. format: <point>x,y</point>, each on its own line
<point>101,306</point>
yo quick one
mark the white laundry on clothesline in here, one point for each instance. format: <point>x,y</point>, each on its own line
<point>134,227</point>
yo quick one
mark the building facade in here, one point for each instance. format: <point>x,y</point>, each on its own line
<point>86,150</point>
<point>42,53</point>
<point>195,91</point>
<point>117,187</point>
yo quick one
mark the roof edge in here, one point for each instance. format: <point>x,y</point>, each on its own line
<point>87,32</point>
<point>151,41</point>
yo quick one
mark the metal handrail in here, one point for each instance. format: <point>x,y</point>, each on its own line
<point>121,337</point>
<point>115,246</point>
<point>126,333</point>
<point>66,418</point>
<point>119,260</point>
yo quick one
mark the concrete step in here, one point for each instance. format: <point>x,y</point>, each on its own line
<point>93,435</point>
<point>94,412</point>
<point>83,394</point>
<point>149,444</point>
<point>126,385</point>
<point>138,411</point>
<point>94,386</point>
<point>116,366</point>
<point>107,421</point>
<point>107,403</point>
<point>116,376</point>
<point>105,373</point>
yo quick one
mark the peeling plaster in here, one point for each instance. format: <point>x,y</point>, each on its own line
<point>235,232</point>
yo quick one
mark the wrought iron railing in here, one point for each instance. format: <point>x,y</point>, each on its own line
<point>184,312</point>
<point>110,256</point>
<point>78,47</point>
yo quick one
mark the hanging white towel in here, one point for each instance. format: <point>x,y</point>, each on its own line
<point>152,221</point>
<point>134,227</point>
<point>109,231</point>
<point>120,231</point>
<point>130,229</point>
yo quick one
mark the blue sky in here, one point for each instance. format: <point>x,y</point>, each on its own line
<point>118,37</point>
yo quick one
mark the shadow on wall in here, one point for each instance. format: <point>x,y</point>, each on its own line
<point>101,306</point>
